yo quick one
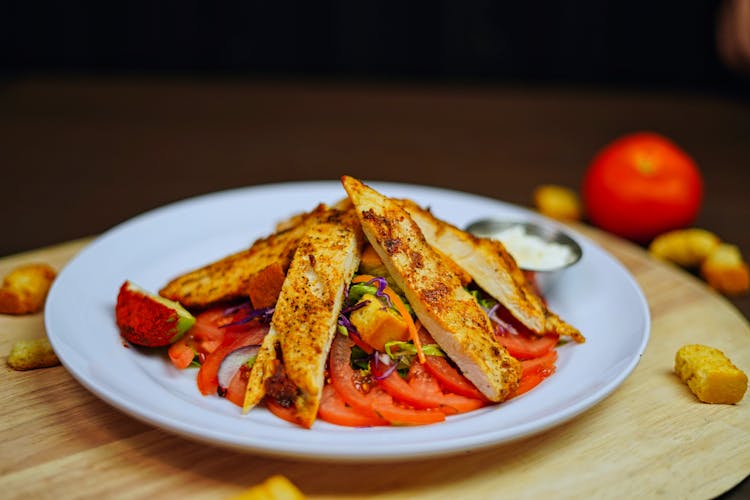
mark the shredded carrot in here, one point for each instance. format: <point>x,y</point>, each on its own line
<point>401,308</point>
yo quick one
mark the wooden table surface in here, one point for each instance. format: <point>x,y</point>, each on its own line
<point>79,156</point>
<point>651,438</point>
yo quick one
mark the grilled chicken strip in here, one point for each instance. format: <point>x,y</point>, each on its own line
<point>294,353</point>
<point>494,270</point>
<point>451,315</point>
<point>228,279</point>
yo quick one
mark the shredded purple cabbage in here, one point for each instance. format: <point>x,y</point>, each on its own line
<point>382,284</point>
<point>358,305</point>
<point>350,328</point>
<point>263,314</point>
<point>235,309</point>
<point>344,321</point>
<point>500,323</point>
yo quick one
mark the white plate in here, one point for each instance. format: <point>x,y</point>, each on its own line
<point>597,295</point>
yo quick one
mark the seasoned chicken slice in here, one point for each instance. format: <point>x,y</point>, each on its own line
<point>228,279</point>
<point>451,315</point>
<point>494,270</point>
<point>291,363</point>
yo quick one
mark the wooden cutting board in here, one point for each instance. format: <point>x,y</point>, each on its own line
<point>650,438</point>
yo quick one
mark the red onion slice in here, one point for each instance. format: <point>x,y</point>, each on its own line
<point>382,370</point>
<point>233,362</point>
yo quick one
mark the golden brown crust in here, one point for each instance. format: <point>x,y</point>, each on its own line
<point>25,289</point>
<point>494,269</point>
<point>229,278</point>
<point>304,321</point>
<point>445,308</point>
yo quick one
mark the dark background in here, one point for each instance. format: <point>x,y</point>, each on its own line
<point>128,105</point>
<point>637,43</point>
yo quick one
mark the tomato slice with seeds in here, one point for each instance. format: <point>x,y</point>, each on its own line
<point>527,346</point>
<point>422,382</point>
<point>345,380</point>
<point>334,409</point>
<point>208,375</point>
<point>527,383</point>
<point>422,391</point>
<point>289,414</point>
<point>543,364</point>
<point>535,371</point>
<point>238,385</point>
<point>399,415</point>
<point>447,375</point>
<point>375,403</point>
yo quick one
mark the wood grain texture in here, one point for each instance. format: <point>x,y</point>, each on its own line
<point>651,438</point>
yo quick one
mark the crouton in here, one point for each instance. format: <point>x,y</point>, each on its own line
<point>709,374</point>
<point>725,271</point>
<point>557,202</point>
<point>32,354</point>
<point>684,247</point>
<point>264,286</point>
<point>377,324</point>
<point>276,487</point>
<point>25,289</point>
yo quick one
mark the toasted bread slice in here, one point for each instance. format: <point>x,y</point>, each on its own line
<point>445,308</point>
<point>494,270</point>
<point>304,321</point>
<point>230,278</point>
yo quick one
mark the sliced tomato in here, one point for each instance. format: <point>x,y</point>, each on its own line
<point>207,325</point>
<point>449,377</point>
<point>527,383</point>
<point>535,371</point>
<point>400,390</point>
<point>207,379</point>
<point>521,342</point>
<point>375,403</point>
<point>422,391</point>
<point>236,390</point>
<point>399,415</point>
<point>334,409</point>
<point>543,364</point>
<point>422,382</point>
<point>181,353</point>
<point>284,413</point>
<point>526,345</point>
<point>345,380</point>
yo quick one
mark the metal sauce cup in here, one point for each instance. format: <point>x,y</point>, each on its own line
<point>546,277</point>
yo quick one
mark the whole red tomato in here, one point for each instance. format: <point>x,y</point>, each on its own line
<point>642,185</point>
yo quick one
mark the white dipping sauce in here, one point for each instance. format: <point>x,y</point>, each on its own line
<point>532,252</point>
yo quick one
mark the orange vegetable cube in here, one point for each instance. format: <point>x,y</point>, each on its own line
<point>377,324</point>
